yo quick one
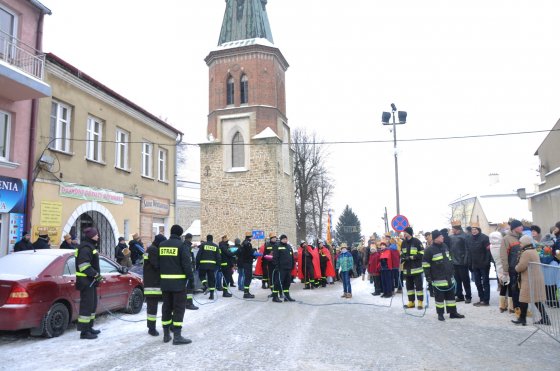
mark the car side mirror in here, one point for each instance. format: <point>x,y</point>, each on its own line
<point>123,270</point>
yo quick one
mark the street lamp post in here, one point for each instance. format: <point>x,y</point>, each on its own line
<point>385,121</point>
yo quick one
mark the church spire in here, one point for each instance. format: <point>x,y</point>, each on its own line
<point>245,19</point>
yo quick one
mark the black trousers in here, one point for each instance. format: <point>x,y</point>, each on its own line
<point>309,274</point>
<point>208,276</point>
<point>266,273</point>
<point>445,298</point>
<point>247,275</point>
<point>462,279</point>
<point>377,283</point>
<point>282,280</point>
<point>151,310</point>
<point>88,306</point>
<point>228,277</point>
<point>415,287</point>
<point>173,309</point>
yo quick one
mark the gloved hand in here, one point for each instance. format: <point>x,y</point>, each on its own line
<point>267,257</point>
<point>99,278</point>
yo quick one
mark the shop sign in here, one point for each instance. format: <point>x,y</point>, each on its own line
<point>91,193</point>
<point>154,206</point>
<point>13,194</point>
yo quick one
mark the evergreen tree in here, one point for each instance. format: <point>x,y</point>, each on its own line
<point>348,228</point>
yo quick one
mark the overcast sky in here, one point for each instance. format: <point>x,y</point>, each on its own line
<point>458,68</point>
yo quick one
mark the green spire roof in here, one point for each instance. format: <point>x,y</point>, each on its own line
<point>245,19</point>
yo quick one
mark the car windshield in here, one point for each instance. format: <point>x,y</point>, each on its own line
<point>29,265</point>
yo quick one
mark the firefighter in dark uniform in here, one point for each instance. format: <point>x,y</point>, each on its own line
<point>175,271</point>
<point>323,261</point>
<point>267,268</point>
<point>152,289</point>
<point>87,278</point>
<point>307,266</point>
<point>283,260</point>
<point>438,268</point>
<point>412,253</point>
<point>190,283</point>
<point>226,266</point>
<point>207,262</point>
<point>245,262</point>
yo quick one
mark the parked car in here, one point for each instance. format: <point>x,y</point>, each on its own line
<point>37,291</point>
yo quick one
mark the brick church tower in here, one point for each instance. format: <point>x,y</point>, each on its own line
<point>247,164</point>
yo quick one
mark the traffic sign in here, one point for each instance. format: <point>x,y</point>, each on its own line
<point>399,223</point>
<point>258,235</point>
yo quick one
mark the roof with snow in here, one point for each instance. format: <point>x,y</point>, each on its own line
<point>266,133</point>
<point>500,208</point>
<point>194,229</point>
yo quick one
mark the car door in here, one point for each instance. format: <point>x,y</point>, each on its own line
<point>113,290</point>
<point>69,284</point>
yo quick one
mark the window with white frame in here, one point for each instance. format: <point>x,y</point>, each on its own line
<point>60,126</point>
<point>147,150</point>
<point>8,27</point>
<point>162,164</point>
<point>5,130</point>
<point>94,147</point>
<point>237,151</point>
<point>121,149</point>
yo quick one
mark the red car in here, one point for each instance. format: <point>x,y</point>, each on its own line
<point>37,291</point>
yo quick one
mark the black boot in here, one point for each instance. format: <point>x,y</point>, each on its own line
<point>178,339</point>
<point>263,285</point>
<point>275,298</point>
<point>204,288</point>
<point>166,334</point>
<point>287,297</point>
<point>190,305</point>
<point>440,317</point>
<point>87,335</point>
<point>227,294</point>
<point>211,297</point>
<point>307,286</point>
<point>153,332</point>
<point>92,330</point>
<point>456,315</point>
<point>520,321</point>
<point>248,295</point>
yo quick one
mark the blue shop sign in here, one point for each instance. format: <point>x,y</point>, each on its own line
<point>13,193</point>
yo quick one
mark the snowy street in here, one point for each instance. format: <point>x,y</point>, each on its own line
<point>235,334</point>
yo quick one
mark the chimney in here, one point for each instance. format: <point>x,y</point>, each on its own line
<point>494,178</point>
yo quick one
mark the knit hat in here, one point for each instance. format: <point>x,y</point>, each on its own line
<point>343,245</point>
<point>159,239</point>
<point>177,230</point>
<point>91,232</point>
<point>515,224</point>
<point>383,243</point>
<point>209,238</point>
<point>272,235</point>
<point>283,236</point>
<point>121,239</point>
<point>436,234</point>
<point>248,234</point>
<point>526,241</point>
<point>187,236</point>
<point>409,231</point>
<point>237,241</point>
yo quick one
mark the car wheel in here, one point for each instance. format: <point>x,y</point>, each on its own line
<point>135,301</point>
<point>55,321</point>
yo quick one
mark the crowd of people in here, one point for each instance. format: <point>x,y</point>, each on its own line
<point>446,259</point>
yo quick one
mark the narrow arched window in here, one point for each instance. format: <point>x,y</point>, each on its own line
<point>237,151</point>
<point>244,89</point>
<point>230,90</point>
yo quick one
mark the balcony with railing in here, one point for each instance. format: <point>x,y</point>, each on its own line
<point>22,70</point>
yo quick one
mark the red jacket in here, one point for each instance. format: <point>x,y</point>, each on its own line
<point>373,264</point>
<point>396,258</point>
<point>386,255</point>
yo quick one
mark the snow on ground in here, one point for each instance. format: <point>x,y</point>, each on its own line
<point>236,334</point>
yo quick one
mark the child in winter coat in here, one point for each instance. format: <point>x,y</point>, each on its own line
<point>345,263</point>
<point>386,266</point>
<point>374,271</point>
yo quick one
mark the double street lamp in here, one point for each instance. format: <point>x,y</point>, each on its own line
<point>385,118</point>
